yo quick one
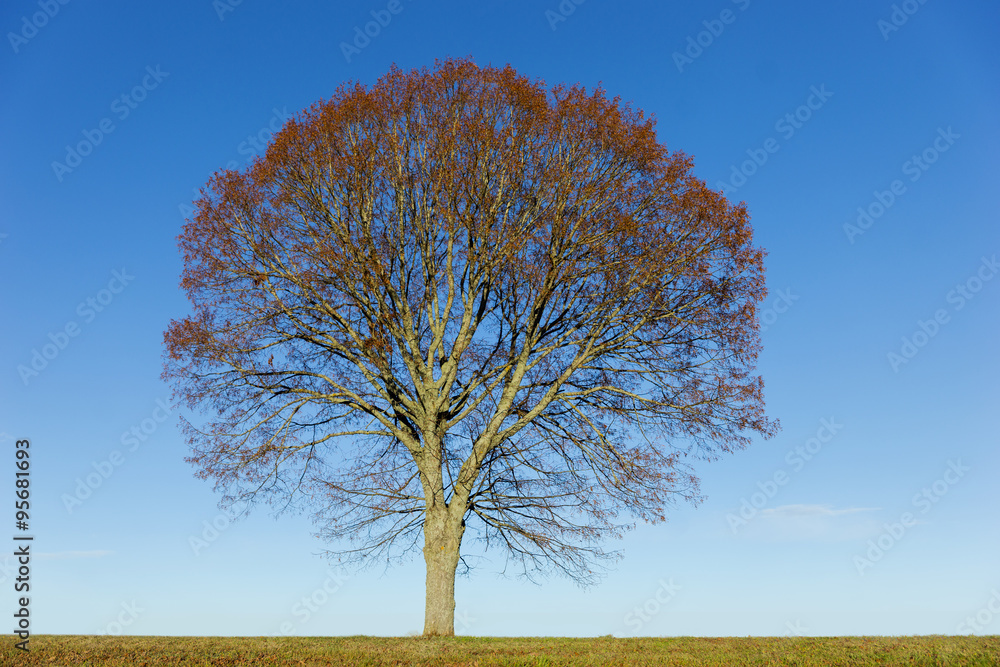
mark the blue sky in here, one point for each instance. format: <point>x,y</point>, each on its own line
<point>862,137</point>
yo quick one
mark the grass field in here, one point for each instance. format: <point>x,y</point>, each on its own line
<point>79,650</point>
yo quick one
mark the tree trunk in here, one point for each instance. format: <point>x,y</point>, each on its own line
<point>442,539</point>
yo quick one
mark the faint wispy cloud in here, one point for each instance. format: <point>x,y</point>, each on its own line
<point>822,523</point>
<point>64,555</point>
<point>796,511</point>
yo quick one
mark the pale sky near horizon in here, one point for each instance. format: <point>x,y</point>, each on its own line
<point>863,138</point>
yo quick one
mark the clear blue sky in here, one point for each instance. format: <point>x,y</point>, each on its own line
<point>842,105</point>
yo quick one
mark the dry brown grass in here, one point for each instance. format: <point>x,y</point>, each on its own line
<point>86,651</point>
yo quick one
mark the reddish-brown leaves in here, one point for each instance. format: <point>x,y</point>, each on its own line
<point>458,285</point>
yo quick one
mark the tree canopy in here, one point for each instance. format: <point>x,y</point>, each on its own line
<point>459,299</point>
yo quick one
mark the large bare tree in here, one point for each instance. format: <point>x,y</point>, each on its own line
<point>459,299</point>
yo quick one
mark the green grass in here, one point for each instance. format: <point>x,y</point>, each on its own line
<point>82,650</point>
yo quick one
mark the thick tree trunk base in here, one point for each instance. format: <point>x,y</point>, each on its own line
<point>441,554</point>
<point>439,612</point>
